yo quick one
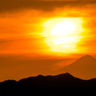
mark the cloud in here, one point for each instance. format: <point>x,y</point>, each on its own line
<point>15,5</point>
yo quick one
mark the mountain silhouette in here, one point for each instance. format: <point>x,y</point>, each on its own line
<point>59,81</point>
<point>84,68</point>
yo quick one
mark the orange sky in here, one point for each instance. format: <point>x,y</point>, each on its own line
<point>21,29</point>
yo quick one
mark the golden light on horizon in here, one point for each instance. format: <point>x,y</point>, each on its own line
<point>64,34</point>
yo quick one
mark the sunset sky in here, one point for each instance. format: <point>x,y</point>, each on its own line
<point>33,39</point>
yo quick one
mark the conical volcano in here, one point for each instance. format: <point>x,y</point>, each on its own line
<point>84,67</point>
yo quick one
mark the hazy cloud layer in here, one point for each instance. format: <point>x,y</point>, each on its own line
<point>16,29</point>
<point>15,5</point>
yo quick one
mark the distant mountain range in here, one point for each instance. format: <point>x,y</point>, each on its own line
<point>84,68</point>
<point>59,81</point>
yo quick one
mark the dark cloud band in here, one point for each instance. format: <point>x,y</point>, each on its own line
<point>14,5</point>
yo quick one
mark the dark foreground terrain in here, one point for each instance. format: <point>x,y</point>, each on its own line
<point>59,81</point>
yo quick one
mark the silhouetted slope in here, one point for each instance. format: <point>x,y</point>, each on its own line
<point>62,80</point>
<point>59,81</point>
<point>8,84</point>
<point>84,68</point>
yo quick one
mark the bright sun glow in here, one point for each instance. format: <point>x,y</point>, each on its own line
<point>63,34</point>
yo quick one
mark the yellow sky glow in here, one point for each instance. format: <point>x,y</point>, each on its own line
<point>64,34</point>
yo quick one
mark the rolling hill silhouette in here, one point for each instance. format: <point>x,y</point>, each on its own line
<point>84,68</point>
<point>59,81</point>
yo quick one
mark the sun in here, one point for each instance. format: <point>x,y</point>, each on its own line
<point>63,34</point>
